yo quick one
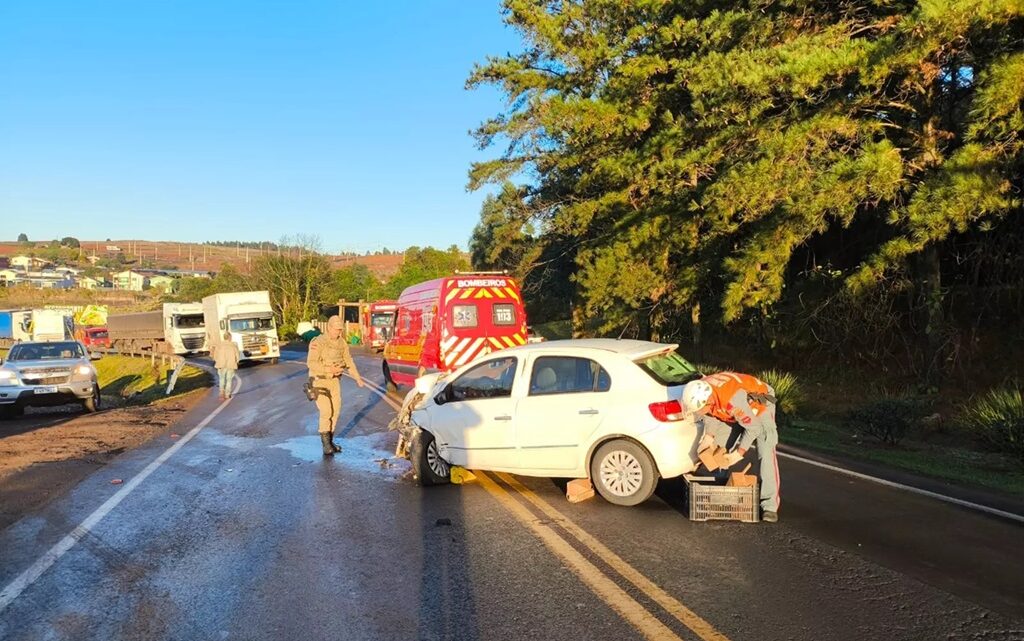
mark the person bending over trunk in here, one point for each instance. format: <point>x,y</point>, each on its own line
<point>731,398</point>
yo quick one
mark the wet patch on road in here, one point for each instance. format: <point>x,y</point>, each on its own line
<point>370,454</point>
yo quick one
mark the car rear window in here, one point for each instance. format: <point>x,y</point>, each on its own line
<point>669,368</point>
<point>567,375</point>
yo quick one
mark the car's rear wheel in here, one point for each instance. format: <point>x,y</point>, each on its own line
<point>92,403</point>
<point>623,473</point>
<point>427,465</point>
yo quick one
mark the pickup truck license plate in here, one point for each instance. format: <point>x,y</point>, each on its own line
<point>46,389</point>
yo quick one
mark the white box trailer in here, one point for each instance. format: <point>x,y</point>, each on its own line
<point>177,328</point>
<point>51,325</point>
<point>248,319</point>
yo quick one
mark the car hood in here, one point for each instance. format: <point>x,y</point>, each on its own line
<point>428,383</point>
<point>62,364</point>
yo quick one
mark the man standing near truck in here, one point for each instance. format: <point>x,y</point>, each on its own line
<point>729,398</point>
<point>329,356</point>
<point>225,358</point>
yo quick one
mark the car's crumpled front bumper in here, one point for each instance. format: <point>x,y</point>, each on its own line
<point>26,395</point>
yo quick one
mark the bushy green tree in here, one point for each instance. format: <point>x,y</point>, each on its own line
<point>351,284</point>
<point>682,152</point>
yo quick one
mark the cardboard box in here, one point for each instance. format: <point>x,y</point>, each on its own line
<point>742,479</point>
<point>713,458</point>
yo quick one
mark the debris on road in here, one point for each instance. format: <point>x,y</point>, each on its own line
<point>116,481</point>
<point>459,475</point>
<point>579,490</point>
<point>441,522</point>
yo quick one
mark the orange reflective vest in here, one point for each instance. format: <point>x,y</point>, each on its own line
<point>723,403</point>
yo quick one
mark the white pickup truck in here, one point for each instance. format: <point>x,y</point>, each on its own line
<point>47,373</point>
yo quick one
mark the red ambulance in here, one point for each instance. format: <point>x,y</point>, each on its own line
<point>378,318</point>
<point>445,323</point>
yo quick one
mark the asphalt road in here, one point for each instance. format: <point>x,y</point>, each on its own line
<point>242,530</point>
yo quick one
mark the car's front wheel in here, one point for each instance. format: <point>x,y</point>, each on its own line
<point>427,465</point>
<point>623,473</point>
<point>92,403</point>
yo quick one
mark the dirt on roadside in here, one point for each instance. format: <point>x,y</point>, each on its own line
<point>48,451</point>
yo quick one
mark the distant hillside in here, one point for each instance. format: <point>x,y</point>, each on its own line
<point>165,254</point>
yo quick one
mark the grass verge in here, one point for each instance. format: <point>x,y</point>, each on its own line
<point>125,380</point>
<point>959,466</point>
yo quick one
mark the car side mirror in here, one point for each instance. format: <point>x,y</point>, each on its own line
<point>95,356</point>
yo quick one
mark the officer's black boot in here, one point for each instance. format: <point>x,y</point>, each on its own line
<point>334,446</point>
<point>325,439</point>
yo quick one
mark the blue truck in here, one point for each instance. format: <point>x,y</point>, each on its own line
<point>14,324</point>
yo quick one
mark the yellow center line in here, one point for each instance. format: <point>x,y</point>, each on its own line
<point>684,615</point>
<point>606,589</point>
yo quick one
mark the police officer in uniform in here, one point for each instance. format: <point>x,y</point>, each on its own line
<point>328,357</point>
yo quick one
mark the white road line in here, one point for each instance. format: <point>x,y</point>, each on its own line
<point>908,488</point>
<point>14,589</point>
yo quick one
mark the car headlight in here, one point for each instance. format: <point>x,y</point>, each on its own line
<point>83,370</point>
<point>7,376</point>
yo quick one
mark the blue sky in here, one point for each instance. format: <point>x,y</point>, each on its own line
<point>198,120</point>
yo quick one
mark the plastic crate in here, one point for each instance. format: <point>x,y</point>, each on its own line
<point>711,501</point>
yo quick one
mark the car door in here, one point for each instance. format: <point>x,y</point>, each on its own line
<point>480,401</point>
<point>566,402</point>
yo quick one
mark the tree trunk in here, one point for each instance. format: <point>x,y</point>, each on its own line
<point>935,321</point>
<point>644,323</point>
<point>698,339</point>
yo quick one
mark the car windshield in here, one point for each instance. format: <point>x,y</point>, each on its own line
<point>669,368</point>
<point>189,321</point>
<point>45,351</point>
<point>381,320</point>
<point>99,334</point>
<point>251,324</point>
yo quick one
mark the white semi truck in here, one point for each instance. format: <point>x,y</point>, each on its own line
<point>178,328</point>
<point>249,320</point>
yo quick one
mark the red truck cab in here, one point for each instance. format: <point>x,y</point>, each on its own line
<point>378,319</point>
<point>442,324</point>
<point>94,337</point>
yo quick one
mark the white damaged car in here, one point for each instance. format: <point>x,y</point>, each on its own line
<point>602,409</point>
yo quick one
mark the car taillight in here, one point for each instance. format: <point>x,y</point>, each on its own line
<point>667,411</point>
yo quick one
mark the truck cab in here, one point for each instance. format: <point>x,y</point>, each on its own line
<point>185,329</point>
<point>248,319</point>
<point>377,323</point>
